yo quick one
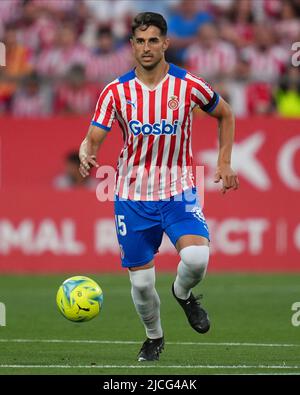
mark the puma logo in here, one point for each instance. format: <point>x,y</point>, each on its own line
<point>131,103</point>
<point>82,308</point>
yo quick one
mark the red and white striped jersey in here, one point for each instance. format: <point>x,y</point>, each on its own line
<point>156,160</point>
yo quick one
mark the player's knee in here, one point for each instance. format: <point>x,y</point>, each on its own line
<point>195,257</point>
<point>143,281</point>
<point>143,289</point>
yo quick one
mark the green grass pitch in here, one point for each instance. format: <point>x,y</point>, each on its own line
<point>251,331</point>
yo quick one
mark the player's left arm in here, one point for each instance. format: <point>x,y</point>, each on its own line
<point>224,172</point>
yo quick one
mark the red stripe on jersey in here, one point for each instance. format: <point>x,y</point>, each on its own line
<point>150,143</point>
<point>162,138</point>
<point>140,101</point>
<point>186,119</point>
<point>188,158</point>
<point>117,98</point>
<point>173,138</point>
<point>128,107</point>
<point>107,115</point>
<point>197,100</point>
<point>128,98</point>
<point>151,107</point>
<point>100,102</point>
<point>164,100</point>
<point>200,88</point>
<point>118,111</point>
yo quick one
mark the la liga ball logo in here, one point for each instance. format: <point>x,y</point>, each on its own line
<point>173,103</point>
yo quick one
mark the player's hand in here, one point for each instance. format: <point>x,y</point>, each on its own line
<point>228,176</point>
<point>86,162</point>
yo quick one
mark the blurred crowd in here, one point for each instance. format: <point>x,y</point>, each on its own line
<point>61,53</point>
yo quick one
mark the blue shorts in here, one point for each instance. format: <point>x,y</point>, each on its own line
<point>140,224</point>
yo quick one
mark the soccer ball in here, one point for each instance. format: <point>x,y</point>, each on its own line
<point>79,299</point>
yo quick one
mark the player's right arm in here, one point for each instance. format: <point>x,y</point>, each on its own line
<point>209,101</point>
<point>89,149</point>
<point>101,124</point>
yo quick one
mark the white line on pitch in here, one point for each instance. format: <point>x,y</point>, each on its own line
<point>153,366</point>
<point>83,341</point>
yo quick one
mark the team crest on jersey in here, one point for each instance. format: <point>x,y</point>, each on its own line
<point>173,103</point>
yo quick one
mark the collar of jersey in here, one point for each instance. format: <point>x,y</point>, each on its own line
<point>169,72</point>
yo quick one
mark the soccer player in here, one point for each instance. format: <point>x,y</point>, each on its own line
<point>154,190</point>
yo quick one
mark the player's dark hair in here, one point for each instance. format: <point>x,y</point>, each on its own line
<point>145,19</point>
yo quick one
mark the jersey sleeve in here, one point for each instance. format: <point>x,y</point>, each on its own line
<point>105,110</point>
<point>203,95</point>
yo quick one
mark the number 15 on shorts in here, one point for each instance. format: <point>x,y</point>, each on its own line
<point>121,226</point>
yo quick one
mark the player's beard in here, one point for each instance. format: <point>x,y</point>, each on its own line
<point>151,66</point>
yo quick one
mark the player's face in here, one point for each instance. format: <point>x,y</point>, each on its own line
<point>149,47</point>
